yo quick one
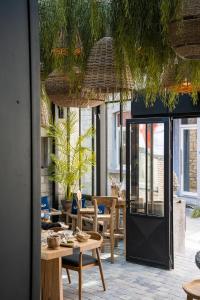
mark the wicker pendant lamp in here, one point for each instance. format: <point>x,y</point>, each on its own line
<point>184,34</point>
<point>169,82</point>
<point>61,92</point>
<point>101,76</point>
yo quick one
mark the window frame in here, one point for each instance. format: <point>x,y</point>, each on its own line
<point>181,162</point>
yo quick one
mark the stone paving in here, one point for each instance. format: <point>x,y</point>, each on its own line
<point>136,282</point>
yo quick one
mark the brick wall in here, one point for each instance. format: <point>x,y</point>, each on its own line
<point>193,161</point>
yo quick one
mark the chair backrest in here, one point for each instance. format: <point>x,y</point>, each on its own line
<point>107,201</point>
<point>96,236</point>
<point>45,203</point>
<point>110,203</point>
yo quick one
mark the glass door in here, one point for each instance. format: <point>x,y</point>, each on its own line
<point>149,209</point>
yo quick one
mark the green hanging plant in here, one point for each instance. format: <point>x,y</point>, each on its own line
<point>140,27</point>
<point>75,22</point>
<point>51,19</point>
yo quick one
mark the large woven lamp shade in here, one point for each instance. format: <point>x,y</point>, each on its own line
<point>62,93</point>
<point>184,34</point>
<point>169,82</point>
<point>101,76</point>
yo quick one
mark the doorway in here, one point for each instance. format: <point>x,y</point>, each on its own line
<point>186,190</point>
<point>188,159</point>
<point>149,206</point>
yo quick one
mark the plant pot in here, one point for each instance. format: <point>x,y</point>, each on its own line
<point>53,242</point>
<point>184,34</point>
<point>66,205</point>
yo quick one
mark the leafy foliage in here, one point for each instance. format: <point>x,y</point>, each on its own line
<point>73,158</point>
<point>79,21</point>
<point>196,213</point>
<point>140,32</point>
<point>141,28</point>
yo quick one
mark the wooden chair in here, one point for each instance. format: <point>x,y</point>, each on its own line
<point>76,219</point>
<point>80,262</point>
<point>107,219</point>
<point>192,289</point>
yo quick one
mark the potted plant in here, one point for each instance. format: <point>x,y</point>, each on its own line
<point>73,158</point>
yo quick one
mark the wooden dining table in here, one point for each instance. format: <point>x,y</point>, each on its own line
<point>51,267</point>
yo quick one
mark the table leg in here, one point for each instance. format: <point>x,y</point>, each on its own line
<point>117,219</point>
<point>51,279</point>
<point>117,223</point>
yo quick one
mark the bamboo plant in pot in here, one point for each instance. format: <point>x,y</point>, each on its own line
<point>73,158</point>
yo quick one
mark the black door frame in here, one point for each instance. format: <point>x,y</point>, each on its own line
<point>165,221</point>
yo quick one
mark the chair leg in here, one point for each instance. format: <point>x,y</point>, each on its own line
<point>80,277</point>
<point>112,246</point>
<point>101,269</point>
<point>189,297</point>
<point>73,225</point>
<point>80,284</point>
<point>68,276</point>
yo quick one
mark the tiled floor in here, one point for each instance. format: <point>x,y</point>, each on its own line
<point>135,282</point>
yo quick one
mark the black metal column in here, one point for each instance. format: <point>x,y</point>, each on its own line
<point>98,152</point>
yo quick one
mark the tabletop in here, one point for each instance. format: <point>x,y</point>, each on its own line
<point>48,254</point>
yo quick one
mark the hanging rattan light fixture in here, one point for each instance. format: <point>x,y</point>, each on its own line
<point>63,93</point>
<point>184,34</point>
<point>170,83</point>
<point>101,76</point>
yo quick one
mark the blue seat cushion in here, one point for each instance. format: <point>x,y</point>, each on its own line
<point>101,209</point>
<point>73,260</point>
<point>74,205</point>
<point>45,203</point>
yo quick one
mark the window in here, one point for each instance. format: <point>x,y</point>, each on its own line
<point>188,121</point>
<point>85,123</point>
<point>113,144</point>
<point>44,152</point>
<point>117,114</point>
<point>60,112</point>
<point>125,115</point>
